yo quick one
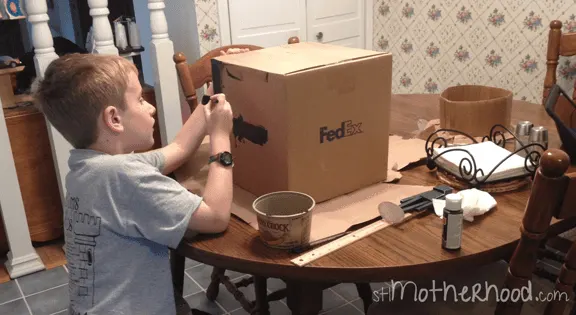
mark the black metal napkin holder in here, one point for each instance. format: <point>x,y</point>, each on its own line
<point>469,172</point>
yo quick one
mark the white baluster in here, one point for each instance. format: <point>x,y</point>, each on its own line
<point>165,78</point>
<point>22,258</point>
<point>44,55</point>
<point>103,36</point>
<point>41,36</point>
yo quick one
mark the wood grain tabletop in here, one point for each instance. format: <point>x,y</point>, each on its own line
<point>409,250</point>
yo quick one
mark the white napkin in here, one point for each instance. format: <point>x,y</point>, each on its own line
<point>474,202</point>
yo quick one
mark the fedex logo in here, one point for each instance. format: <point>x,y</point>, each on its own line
<point>347,129</point>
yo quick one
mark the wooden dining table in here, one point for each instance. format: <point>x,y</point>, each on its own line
<point>407,251</point>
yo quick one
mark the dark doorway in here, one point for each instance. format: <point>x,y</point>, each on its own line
<point>11,38</point>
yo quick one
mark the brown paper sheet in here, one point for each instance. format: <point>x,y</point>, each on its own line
<point>403,152</point>
<point>332,216</point>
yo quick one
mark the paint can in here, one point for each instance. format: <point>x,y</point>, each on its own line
<point>284,218</point>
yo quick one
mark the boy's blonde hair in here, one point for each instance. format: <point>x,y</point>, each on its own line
<point>75,90</point>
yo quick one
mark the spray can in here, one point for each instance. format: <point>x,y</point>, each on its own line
<point>452,217</point>
<point>539,134</point>
<point>133,34</point>
<point>522,133</point>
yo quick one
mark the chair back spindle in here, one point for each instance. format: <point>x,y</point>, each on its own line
<point>559,44</point>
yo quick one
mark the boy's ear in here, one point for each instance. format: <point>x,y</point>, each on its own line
<point>113,119</point>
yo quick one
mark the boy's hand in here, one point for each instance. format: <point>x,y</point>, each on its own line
<point>218,116</point>
<point>232,51</point>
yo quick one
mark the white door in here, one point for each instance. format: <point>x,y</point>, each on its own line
<point>266,23</point>
<point>336,22</point>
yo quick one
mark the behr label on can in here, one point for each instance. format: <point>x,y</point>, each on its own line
<point>284,218</point>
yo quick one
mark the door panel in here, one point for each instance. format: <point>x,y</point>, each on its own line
<point>266,23</point>
<point>353,42</point>
<point>336,22</point>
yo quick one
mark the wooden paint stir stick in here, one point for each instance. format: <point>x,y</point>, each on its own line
<point>390,214</point>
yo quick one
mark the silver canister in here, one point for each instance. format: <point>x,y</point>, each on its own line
<point>523,134</point>
<point>538,134</point>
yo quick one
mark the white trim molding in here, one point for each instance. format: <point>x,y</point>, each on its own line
<point>166,86</point>
<point>224,22</point>
<point>369,24</point>
<point>22,257</point>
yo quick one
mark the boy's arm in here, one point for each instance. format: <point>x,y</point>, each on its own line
<point>160,209</point>
<point>186,142</point>
<point>192,133</point>
<point>213,214</point>
<point>165,210</point>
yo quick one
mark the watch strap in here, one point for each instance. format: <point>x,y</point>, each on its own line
<point>218,158</point>
<point>213,158</point>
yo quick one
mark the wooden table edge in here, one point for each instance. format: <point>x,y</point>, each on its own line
<point>312,272</point>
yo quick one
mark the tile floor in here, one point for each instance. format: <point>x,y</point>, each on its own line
<point>46,293</point>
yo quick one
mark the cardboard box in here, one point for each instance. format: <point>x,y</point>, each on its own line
<point>308,117</point>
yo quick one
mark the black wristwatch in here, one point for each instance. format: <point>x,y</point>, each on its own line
<point>224,158</point>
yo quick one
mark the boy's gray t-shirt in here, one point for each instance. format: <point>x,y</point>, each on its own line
<point>120,218</point>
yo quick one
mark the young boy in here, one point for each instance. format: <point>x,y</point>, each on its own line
<point>122,213</point>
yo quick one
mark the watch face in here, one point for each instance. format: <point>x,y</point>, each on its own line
<point>226,158</point>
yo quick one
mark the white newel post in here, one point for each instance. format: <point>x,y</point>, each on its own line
<point>165,77</point>
<point>101,28</point>
<point>44,55</point>
<point>22,257</point>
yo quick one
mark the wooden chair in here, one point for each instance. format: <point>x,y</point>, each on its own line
<point>559,44</point>
<point>191,78</point>
<point>552,196</point>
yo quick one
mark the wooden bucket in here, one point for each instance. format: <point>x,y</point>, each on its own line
<point>474,109</point>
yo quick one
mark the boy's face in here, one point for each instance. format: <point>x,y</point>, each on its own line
<point>137,119</point>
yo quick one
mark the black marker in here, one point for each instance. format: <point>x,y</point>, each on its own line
<point>206,100</point>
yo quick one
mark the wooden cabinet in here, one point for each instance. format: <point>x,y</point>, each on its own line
<point>36,175</point>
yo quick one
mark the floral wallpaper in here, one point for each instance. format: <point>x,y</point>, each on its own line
<point>441,43</point>
<point>208,30</point>
<point>437,44</point>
